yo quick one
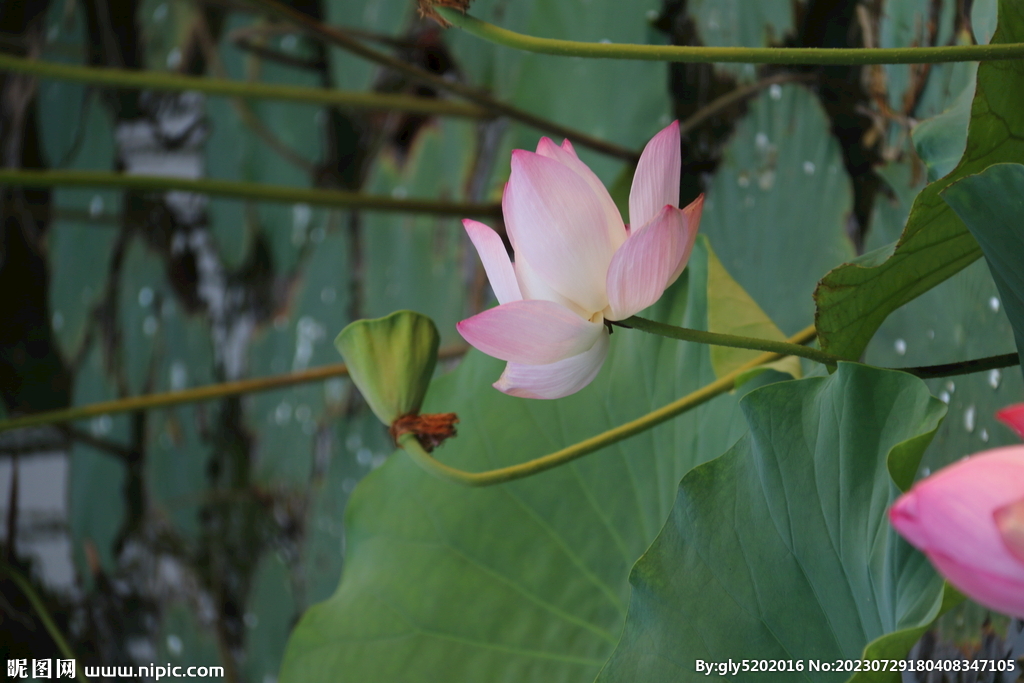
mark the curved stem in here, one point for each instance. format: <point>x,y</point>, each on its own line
<point>206,393</point>
<point>158,80</point>
<point>347,42</point>
<point>44,615</point>
<point>726,383</point>
<point>743,55</point>
<point>731,340</point>
<point>244,190</point>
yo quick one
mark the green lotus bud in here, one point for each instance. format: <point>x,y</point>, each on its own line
<point>391,361</point>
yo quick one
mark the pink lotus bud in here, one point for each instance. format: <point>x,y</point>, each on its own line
<point>1013,417</point>
<point>968,519</point>
<point>576,263</point>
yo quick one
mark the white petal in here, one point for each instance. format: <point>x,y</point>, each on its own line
<point>530,332</point>
<point>692,213</point>
<point>647,263</point>
<point>566,156</point>
<point>533,287</point>
<point>556,379</point>
<point>656,181</point>
<point>497,265</point>
<point>558,226</point>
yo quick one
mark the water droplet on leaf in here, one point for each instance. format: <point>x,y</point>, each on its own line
<point>283,413</point>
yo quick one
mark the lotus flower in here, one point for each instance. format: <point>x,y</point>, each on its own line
<point>576,263</point>
<point>968,519</point>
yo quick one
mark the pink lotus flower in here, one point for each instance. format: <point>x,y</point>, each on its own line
<point>968,519</point>
<point>576,263</point>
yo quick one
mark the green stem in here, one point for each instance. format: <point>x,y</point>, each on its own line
<point>731,340</point>
<point>347,42</point>
<point>157,80</point>
<point>744,55</point>
<point>173,398</point>
<point>726,383</point>
<point>44,615</point>
<point>243,190</point>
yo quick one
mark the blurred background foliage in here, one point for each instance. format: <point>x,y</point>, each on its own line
<point>199,534</point>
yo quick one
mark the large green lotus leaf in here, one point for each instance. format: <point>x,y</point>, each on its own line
<point>184,639</point>
<point>983,19</point>
<point>854,299</point>
<point>940,141</point>
<point>238,149</point>
<point>75,290</point>
<point>528,580</point>
<point>384,17</point>
<point>84,229</point>
<point>959,319</point>
<point>287,421</point>
<point>96,481</point>
<point>419,262</point>
<point>991,204</point>
<point>781,548</point>
<point>269,616</point>
<point>142,289</point>
<point>342,456</point>
<point>177,454</point>
<point>910,23</point>
<point>776,209</point>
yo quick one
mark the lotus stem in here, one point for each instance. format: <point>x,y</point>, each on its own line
<point>158,80</point>
<point>742,55</point>
<point>244,190</point>
<point>730,340</point>
<point>194,395</point>
<point>724,384</point>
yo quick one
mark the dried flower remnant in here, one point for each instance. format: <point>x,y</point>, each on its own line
<point>426,9</point>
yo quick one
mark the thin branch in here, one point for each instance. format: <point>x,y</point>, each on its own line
<point>244,33</point>
<point>159,80</point>
<point>742,55</point>
<point>272,55</point>
<point>244,190</point>
<point>194,395</point>
<point>347,42</point>
<point>123,452</point>
<point>738,95</point>
<point>965,367</point>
